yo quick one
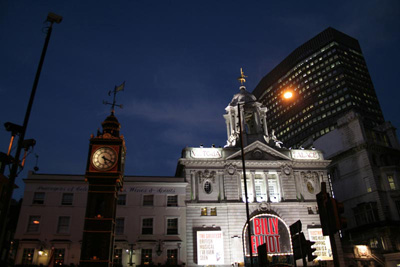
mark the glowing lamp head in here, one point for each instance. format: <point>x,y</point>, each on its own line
<point>288,94</point>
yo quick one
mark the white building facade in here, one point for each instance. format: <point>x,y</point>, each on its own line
<point>150,221</point>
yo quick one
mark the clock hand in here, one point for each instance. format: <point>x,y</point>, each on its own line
<point>104,158</point>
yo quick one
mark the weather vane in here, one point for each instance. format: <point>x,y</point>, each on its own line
<point>115,91</point>
<point>242,77</point>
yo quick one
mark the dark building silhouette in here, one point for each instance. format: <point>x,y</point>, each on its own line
<point>329,77</point>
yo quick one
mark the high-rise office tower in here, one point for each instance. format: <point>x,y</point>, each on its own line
<point>329,77</point>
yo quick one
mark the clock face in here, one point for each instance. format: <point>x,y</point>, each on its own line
<point>104,158</point>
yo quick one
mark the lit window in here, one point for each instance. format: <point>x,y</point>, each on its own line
<point>392,185</point>
<point>203,211</point>
<point>172,257</point>
<point>121,200</point>
<point>147,226</point>
<point>117,261</point>
<point>38,198</point>
<point>59,254</point>
<point>207,187</point>
<point>213,212</point>
<point>63,225</point>
<point>148,200</point>
<point>27,256</point>
<point>147,255</point>
<point>119,226</point>
<point>67,199</point>
<point>172,226</point>
<point>33,224</point>
<point>274,191</point>
<point>172,201</point>
<point>261,193</point>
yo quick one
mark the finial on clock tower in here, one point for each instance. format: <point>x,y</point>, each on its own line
<point>115,91</point>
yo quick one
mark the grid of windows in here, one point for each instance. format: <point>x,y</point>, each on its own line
<point>121,200</point>
<point>392,185</point>
<point>366,213</point>
<point>172,201</point>
<point>172,226</point>
<point>327,83</point>
<point>119,226</point>
<point>63,225</point>
<point>33,224</point>
<point>38,198</point>
<point>67,199</point>
<point>147,226</point>
<point>148,200</point>
<point>146,257</point>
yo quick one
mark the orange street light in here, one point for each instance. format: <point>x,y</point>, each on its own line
<point>288,94</point>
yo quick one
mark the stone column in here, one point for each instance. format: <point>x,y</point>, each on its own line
<point>252,183</point>
<point>266,185</point>
<point>279,182</point>
<point>193,185</point>
<point>220,176</point>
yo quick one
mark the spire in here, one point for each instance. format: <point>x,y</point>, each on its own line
<point>111,125</point>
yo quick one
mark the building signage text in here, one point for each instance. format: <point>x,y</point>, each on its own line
<point>322,244</point>
<point>304,154</point>
<point>204,153</point>
<point>271,230</point>
<point>210,248</point>
<point>128,189</point>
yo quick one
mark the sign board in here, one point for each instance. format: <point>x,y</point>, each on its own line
<point>271,230</point>
<point>322,244</point>
<point>205,153</point>
<point>304,154</point>
<point>210,248</point>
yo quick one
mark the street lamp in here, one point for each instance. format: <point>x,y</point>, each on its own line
<point>286,95</point>
<point>51,18</point>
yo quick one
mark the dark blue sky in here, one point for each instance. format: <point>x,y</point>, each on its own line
<point>180,61</point>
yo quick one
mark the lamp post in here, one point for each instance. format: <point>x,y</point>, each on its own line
<point>286,95</point>
<point>51,17</point>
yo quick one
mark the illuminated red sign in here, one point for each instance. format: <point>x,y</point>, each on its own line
<point>271,230</point>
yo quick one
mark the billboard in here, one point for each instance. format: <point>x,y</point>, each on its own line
<point>322,244</point>
<point>271,230</point>
<point>210,248</point>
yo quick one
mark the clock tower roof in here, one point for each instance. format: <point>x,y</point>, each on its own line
<point>111,125</point>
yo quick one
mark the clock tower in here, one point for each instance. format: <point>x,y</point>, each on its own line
<point>105,175</point>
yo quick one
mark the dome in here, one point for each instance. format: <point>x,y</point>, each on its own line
<point>242,97</point>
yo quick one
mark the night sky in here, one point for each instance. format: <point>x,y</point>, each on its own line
<point>180,61</point>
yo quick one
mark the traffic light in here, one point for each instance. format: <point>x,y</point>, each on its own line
<point>324,209</point>
<point>310,250</point>
<point>338,209</point>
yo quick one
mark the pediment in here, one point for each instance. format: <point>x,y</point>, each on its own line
<point>259,151</point>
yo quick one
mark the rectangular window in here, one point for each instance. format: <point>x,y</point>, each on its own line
<point>392,185</point>
<point>172,257</point>
<point>59,254</point>
<point>117,257</point>
<point>203,211</point>
<point>119,226</point>
<point>172,226</point>
<point>148,200</point>
<point>172,201</point>
<point>63,225</point>
<point>147,226</point>
<point>33,224</point>
<point>67,199</point>
<point>121,200</point>
<point>261,193</point>
<point>273,187</point>
<point>310,211</point>
<point>213,212</point>
<point>38,198</point>
<point>27,256</point>
<point>146,258</point>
